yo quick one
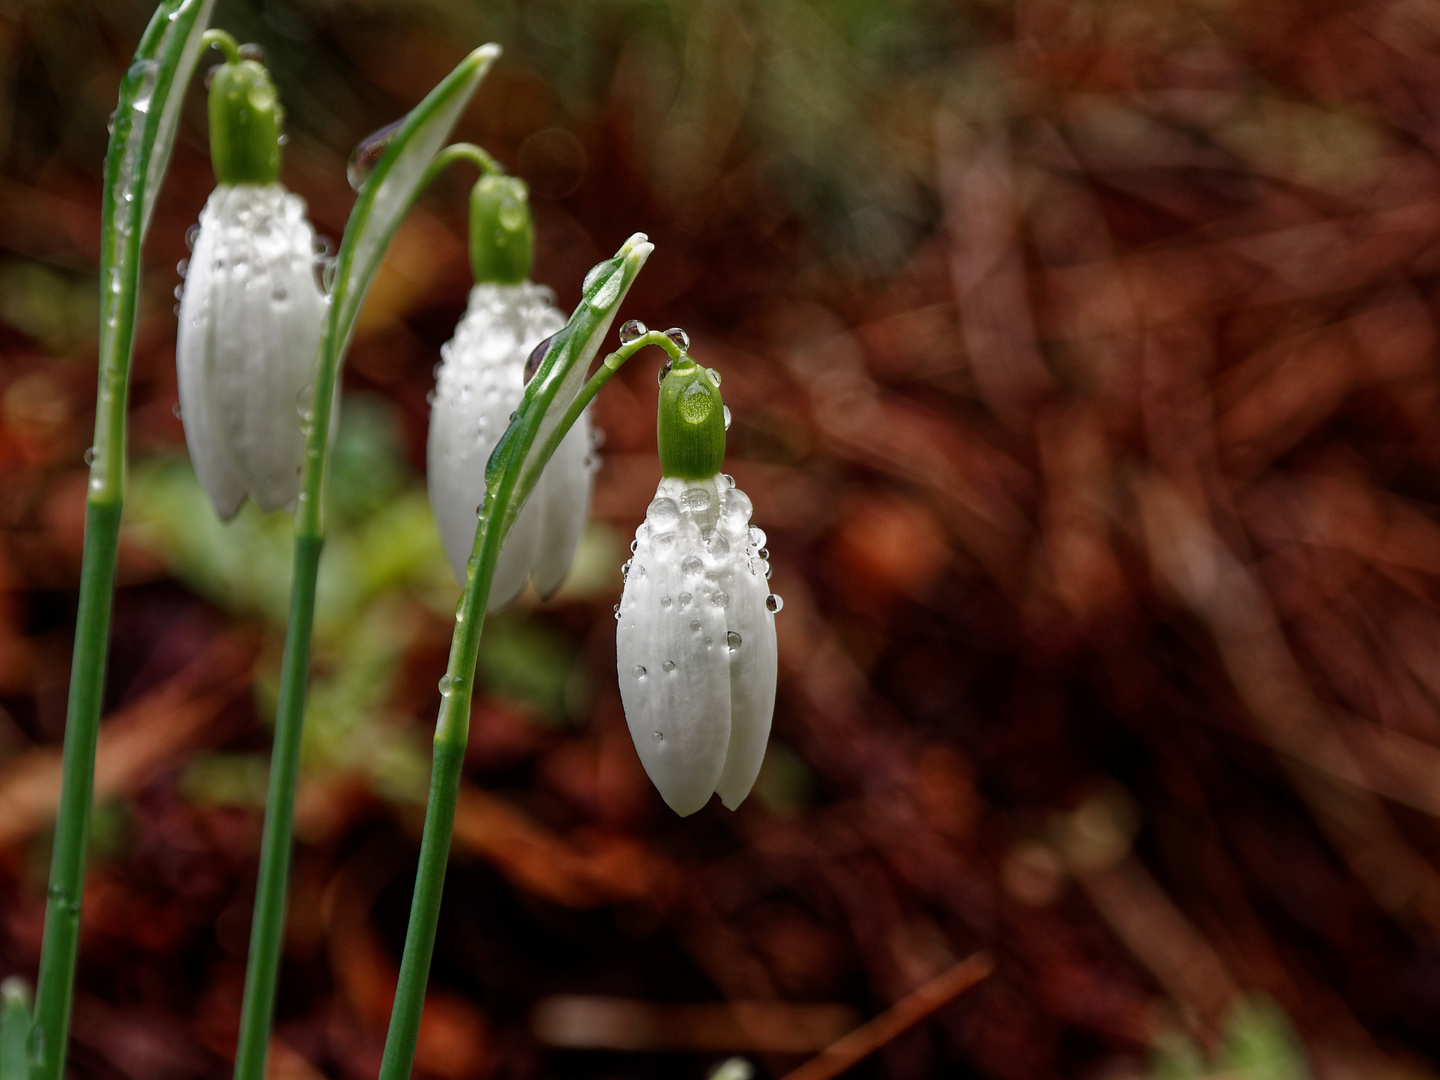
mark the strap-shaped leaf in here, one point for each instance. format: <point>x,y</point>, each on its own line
<point>393,184</point>
<point>533,434</point>
<point>141,139</point>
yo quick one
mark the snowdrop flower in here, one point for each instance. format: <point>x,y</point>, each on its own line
<point>251,311</point>
<point>479,384</point>
<point>695,641</point>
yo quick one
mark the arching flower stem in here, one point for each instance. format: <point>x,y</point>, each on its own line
<point>462,151</point>
<point>537,429</point>
<point>388,192</point>
<point>224,41</point>
<point>146,119</point>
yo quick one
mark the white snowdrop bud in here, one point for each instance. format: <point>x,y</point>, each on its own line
<point>695,644</point>
<point>251,315</point>
<point>479,385</point>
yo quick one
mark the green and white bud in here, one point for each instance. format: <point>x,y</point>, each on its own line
<point>245,118</point>
<point>502,233</point>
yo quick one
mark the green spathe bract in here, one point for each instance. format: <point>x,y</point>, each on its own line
<point>690,422</point>
<point>502,233</point>
<point>406,166</point>
<point>245,117</point>
<point>140,143</point>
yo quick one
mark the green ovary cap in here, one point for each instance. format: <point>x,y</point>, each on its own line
<point>502,234</point>
<point>690,425</point>
<point>245,117</point>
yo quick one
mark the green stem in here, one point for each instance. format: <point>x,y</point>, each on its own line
<point>144,131</point>
<point>223,41</point>
<point>384,199</point>
<point>452,725</point>
<point>268,928</point>
<point>463,151</point>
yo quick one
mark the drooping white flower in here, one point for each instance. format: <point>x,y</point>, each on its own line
<point>695,643</point>
<point>478,386</point>
<point>251,315</point>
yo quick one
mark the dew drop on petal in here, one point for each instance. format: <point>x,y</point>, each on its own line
<point>657,736</point>
<point>679,337</point>
<point>638,671</point>
<point>665,601</point>
<point>191,235</point>
<point>662,513</point>
<point>773,602</point>
<point>182,267</point>
<point>685,599</point>
<point>695,625</point>
<point>668,666</point>
<point>764,553</point>
<point>633,330</point>
<point>717,545</point>
<point>732,640</point>
<point>720,599</point>
<point>695,501</point>
<point>617,612</point>
<point>634,545</point>
<point>692,565</point>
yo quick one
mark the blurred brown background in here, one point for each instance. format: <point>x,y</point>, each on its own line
<point>1082,356</point>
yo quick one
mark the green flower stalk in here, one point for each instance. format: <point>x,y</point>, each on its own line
<point>140,142</point>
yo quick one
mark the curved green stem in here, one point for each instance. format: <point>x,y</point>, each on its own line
<point>145,121</point>
<point>225,42</point>
<point>462,151</point>
<point>545,414</point>
<point>387,195</point>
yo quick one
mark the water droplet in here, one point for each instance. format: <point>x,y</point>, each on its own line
<point>732,639</point>
<point>695,501</point>
<point>609,290</point>
<point>679,337</point>
<point>57,892</point>
<point>692,565</point>
<point>327,276</point>
<point>536,358</point>
<point>717,545</point>
<point>668,666</point>
<point>638,671</point>
<point>662,543</point>
<point>371,149</point>
<point>633,330</point>
<point>720,599</point>
<point>664,370</point>
<point>480,508</point>
<point>304,400</point>
<point>252,51</point>
<point>90,456</point>
<point>617,612</point>
<point>444,685</point>
<point>179,292</point>
<point>191,235</point>
<point>597,438</point>
<point>110,123</point>
<point>662,513</point>
<point>764,553</point>
<point>713,376</point>
<point>279,295</point>
<point>695,624</point>
<point>210,75</point>
<point>665,601</point>
<point>773,602</point>
<point>182,267</point>
<point>685,599</point>
<point>729,480</point>
<point>657,736</point>
<point>725,411</point>
<point>625,570</point>
<point>175,410</point>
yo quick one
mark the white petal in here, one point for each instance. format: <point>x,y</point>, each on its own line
<point>751,636</point>
<point>480,383</point>
<point>193,347</point>
<point>250,323</point>
<point>564,496</point>
<point>671,656</point>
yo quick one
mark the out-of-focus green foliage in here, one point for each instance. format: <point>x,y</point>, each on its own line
<point>1258,1044</point>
